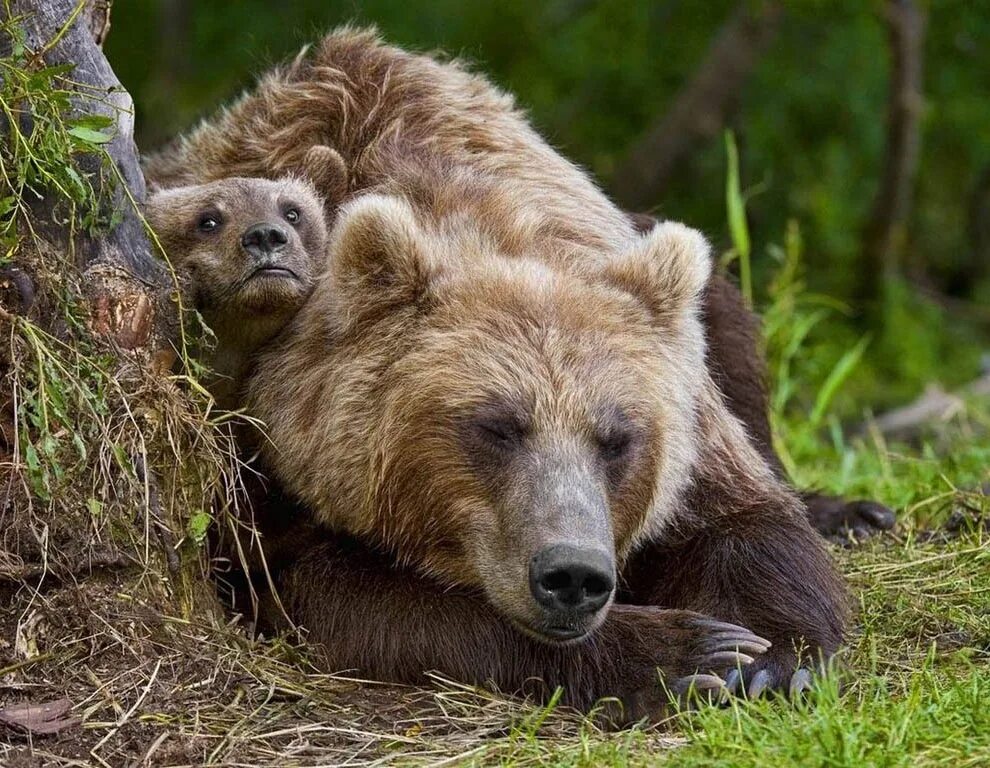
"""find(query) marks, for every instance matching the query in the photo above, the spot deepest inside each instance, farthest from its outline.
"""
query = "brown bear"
(247, 253)
(503, 389)
(345, 95)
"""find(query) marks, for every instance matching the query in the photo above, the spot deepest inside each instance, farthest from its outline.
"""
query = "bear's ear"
(327, 170)
(164, 211)
(380, 256)
(666, 269)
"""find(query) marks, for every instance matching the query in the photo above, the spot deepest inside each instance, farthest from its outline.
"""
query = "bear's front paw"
(673, 654)
(774, 673)
(843, 521)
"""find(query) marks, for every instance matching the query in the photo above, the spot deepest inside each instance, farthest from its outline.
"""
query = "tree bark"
(124, 283)
(885, 232)
(702, 107)
(979, 232)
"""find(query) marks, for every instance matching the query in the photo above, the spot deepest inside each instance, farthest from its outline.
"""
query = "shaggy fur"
(244, 304)
(494, 348)
(736, 364)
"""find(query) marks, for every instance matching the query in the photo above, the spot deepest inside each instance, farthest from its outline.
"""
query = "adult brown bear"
(503, 387)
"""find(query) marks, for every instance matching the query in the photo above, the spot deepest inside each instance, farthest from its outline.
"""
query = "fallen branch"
(934, 406)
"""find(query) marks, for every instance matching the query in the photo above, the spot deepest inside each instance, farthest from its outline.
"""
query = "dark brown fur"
(473, 219)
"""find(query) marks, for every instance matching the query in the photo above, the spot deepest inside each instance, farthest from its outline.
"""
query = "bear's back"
(407, 124)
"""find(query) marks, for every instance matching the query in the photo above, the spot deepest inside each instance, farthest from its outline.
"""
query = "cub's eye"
(293, 216)
(615, 446)
(208, 223)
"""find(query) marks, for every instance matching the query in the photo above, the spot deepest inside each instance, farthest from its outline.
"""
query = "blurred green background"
(809, 118)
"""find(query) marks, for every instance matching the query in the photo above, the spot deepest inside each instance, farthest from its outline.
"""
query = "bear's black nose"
(569, 580)
(263, 239)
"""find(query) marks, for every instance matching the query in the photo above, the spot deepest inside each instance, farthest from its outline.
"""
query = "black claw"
(758, 685)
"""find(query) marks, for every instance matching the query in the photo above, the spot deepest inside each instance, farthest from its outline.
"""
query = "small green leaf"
(122, 460)
(43, 79)
(198, 525)
(96, 122)
(735, 204)
(847, 363)
(90, 136)
(95, 507)
(31, 457)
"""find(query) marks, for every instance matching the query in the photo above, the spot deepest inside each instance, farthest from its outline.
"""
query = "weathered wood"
(934, 407)
(122, 279)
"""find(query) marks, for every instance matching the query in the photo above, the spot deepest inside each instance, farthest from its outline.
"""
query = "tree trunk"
(885, 232)
(700, 110)
(123, 281)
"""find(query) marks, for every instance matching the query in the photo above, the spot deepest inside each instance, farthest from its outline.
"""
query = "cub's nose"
(571, 580)
(263, 239)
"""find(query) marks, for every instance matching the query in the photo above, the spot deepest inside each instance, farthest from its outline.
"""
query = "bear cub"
(247, 252)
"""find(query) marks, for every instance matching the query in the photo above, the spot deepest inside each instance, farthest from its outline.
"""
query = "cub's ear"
(327, 170)
(380, 256)
(164, 211)
(666, 269)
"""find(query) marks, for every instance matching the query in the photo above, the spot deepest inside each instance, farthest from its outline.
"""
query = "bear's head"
(248, 250)
(526, 424)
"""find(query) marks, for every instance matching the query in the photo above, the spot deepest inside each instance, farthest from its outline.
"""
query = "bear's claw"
(748, 644)
(758, 685)
(696, 684)
(761, 683)
(801, 681)
(725, 647)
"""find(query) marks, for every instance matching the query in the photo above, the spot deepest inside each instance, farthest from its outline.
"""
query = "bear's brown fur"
(496, 364)
(245, 291)
(736, 364)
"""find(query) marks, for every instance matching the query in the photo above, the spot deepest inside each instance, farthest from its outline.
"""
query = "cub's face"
(249, 250)
(537, 421)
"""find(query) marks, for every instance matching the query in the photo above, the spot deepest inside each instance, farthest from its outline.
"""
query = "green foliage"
(735, 206)
(44, 140)
(100, 437)
(198, 526)
(595, 76)
(63, 387)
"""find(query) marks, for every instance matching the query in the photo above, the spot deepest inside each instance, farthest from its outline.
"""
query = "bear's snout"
(571, 584)
(264, 239)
